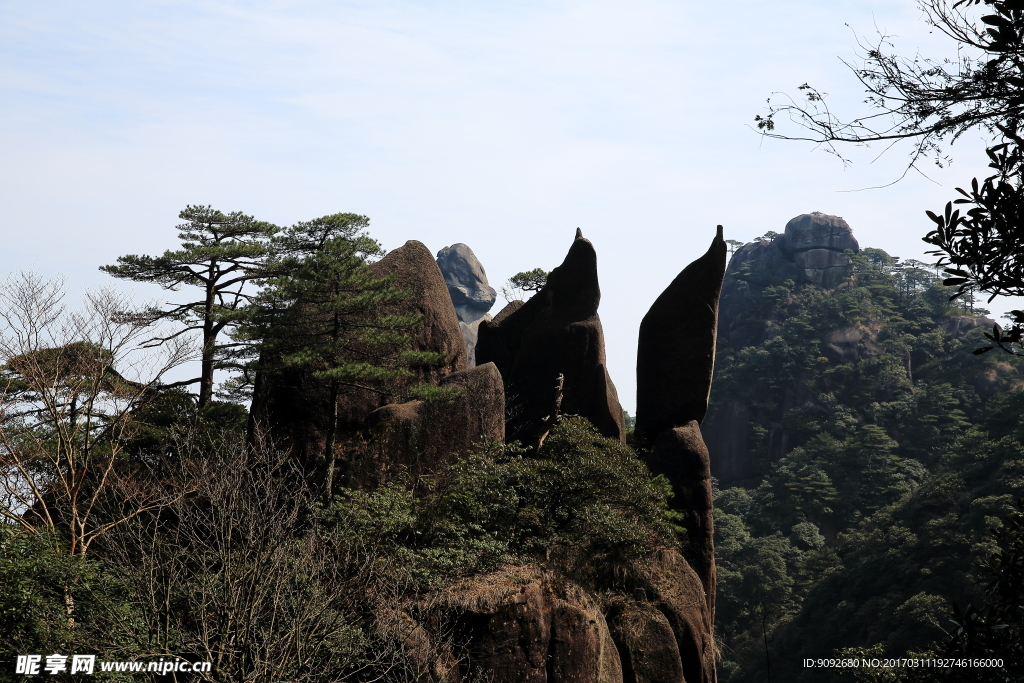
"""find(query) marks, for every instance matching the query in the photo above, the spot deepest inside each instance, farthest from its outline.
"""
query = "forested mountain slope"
(861, 451)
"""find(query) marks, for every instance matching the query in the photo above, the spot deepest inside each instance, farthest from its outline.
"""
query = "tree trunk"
(209, 341)
(332, 432)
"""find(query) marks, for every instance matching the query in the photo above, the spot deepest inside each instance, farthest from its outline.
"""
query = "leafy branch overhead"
(929, 101)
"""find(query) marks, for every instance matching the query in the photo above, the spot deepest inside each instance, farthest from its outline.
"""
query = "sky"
(502, 125)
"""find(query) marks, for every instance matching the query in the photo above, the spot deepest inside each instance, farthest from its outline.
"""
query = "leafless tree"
(70, 383)
(243, 574)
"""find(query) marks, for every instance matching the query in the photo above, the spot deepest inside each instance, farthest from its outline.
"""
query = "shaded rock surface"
(676, 349)
(470, 331)
(675, 365)
(647, 646)
(815, 242)
(680, 454)
(557, 331)
(420, 437)
(293, 407)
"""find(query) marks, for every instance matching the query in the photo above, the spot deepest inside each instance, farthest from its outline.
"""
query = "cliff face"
(761, 299)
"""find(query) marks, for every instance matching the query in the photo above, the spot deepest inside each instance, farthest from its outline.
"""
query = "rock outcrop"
(675, 357)
(647, 619)
(675, 364)
(810, 251)
(294, 407)
(420, 437)
(680, 454)
(471, 295)
(816, 243)
(556, 332)
(524, 624)
(414, 269)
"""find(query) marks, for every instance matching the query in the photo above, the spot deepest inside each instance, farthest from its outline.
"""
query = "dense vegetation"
(140, 521)
(902, 452)
(253, 573)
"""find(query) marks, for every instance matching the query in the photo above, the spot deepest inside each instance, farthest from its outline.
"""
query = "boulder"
(816, 241)
(293, 407)
(421, 437)
(414, 269)
(466, 281)
(676, 350)
(556, 332)
(817, 230)
(471, 295)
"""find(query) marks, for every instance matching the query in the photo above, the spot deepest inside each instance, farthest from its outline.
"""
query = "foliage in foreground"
(252, 572)
(583, 500)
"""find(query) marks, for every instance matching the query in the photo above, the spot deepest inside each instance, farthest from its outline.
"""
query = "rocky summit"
(556, 333)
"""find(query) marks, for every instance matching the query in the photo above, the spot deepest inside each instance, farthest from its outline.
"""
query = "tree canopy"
(221, 255)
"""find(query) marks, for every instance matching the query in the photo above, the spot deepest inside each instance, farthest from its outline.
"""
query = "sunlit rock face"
(471, 294)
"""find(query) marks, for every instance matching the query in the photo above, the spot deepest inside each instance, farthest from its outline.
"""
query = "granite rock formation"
(524, 624)
(810, 251)
(421, 437)
(471, 295)
(680, 454)
(675, 364)
(294, 407)
(540, 622)
(556, 332)
(676, 349)
(816, 243)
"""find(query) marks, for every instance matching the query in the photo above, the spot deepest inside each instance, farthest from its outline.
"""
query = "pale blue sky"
(504, 125)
